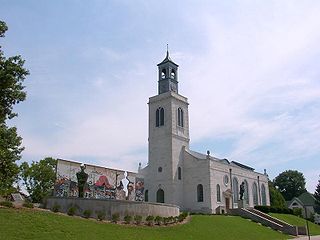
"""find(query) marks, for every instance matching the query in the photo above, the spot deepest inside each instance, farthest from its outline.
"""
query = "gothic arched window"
(173, 74)
(159, 117)
(235, 186)
(246, 191)
(218, 193)
(200, 193)
(146, 196)
(180, 117)
(263, 195)
(160, 196)
(179, 173)
(255, 193)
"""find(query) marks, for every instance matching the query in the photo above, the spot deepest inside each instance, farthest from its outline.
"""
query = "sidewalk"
(307, 238)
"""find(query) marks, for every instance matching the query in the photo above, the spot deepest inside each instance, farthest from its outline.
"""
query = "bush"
(101, 215)
(55, 207)
(138, 219)
(269, 209)
(87, 213)
(165, 220)
(127, 219)
(115, 217)
(149, 220)
(71, 211)
(158, 220)
(7, 204)
(28, 204)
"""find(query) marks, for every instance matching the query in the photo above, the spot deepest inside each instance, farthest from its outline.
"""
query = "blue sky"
(249, 68)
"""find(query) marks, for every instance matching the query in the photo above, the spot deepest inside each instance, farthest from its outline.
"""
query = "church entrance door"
(227, 204)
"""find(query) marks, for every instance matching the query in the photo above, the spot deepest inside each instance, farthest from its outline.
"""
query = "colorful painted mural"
(102, 183)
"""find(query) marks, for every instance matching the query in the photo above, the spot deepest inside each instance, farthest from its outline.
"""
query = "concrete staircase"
(269, 221)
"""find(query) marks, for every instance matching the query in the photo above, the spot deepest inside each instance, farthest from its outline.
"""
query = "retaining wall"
(110, 207)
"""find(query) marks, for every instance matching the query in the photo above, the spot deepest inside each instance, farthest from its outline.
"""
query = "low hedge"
(270, 209)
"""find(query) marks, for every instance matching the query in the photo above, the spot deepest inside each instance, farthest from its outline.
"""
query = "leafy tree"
(39, 178)
(276, 198)
(12, 75)
(290, 183)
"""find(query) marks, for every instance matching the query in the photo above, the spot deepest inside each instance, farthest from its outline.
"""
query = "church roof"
(167, 59)
(224, 160)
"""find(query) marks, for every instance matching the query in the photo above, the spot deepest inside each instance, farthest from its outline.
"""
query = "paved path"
(307, 238)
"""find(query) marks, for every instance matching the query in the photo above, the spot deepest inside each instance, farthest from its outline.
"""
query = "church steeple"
(168, 75)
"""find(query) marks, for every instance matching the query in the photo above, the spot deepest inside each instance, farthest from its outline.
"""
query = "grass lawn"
(33, 224)
(294, 220)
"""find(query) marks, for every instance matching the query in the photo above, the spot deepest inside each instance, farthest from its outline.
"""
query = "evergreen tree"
(317, 192)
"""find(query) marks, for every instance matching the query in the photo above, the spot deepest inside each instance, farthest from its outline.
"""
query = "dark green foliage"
(290, 183)
(149, 220)
(138, 219)
(276, 198)
(28, 204)
(127, 219)
(55, 207)
(115, 217)
(7, 204)
(12, 75)
(297, 212)
(101, 215)
(269, 209)
(87, 213)
(158, 220)
(39, 178)
(71, 211)
(317, 193)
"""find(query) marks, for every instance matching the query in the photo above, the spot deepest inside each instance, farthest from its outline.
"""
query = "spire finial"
(167, 50)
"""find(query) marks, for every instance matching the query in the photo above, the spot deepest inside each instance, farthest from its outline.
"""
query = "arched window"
(179, 173)
(180, 117)
(146, 196)
(159, 117)
(255, 193)
(246, 191)
(263, 195)
(173, 74)
(160, 196)
(218, 193)
(235, 186)
(163, 74)
(200, 193)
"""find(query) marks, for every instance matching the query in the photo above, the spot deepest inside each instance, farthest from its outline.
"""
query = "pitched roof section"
(307, 199)
(167, 59)
(243, 166)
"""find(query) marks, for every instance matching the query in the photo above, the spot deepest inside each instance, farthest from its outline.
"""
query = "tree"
(317, 192)
(276, 198)
(12, 75)
(290, 183)
(39, 178)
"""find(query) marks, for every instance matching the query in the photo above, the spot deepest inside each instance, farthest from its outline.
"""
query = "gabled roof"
(305, 199)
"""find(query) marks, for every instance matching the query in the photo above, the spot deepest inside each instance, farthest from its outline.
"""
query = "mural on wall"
(102, 183)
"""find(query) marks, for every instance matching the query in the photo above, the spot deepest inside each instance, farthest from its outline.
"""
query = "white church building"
(177, 175)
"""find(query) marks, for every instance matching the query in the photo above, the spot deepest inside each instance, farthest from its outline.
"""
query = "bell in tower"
(168, 75)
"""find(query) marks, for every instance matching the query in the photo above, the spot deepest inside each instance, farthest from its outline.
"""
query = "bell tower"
(168, 136)
(168, 75)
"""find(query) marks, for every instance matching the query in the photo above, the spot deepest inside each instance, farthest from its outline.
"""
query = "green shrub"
(71, 211)
(101, 215)
(127, 219)
(158, 220)
(165, 220)
(138, 219)
(87, 213)
(269, 209)
(28, 204)
(7, 204)
(149, 220)
(55, 207)
(115, 217)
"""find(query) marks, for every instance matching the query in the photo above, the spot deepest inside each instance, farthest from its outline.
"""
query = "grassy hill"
(294, 220)
(34, 224)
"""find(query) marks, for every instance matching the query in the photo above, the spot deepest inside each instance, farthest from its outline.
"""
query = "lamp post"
(306, 216)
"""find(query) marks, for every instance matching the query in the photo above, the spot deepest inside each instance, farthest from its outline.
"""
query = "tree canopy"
(12, 75)
(276, 198)
(290, 183)
(39, 178)
(317, 192)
